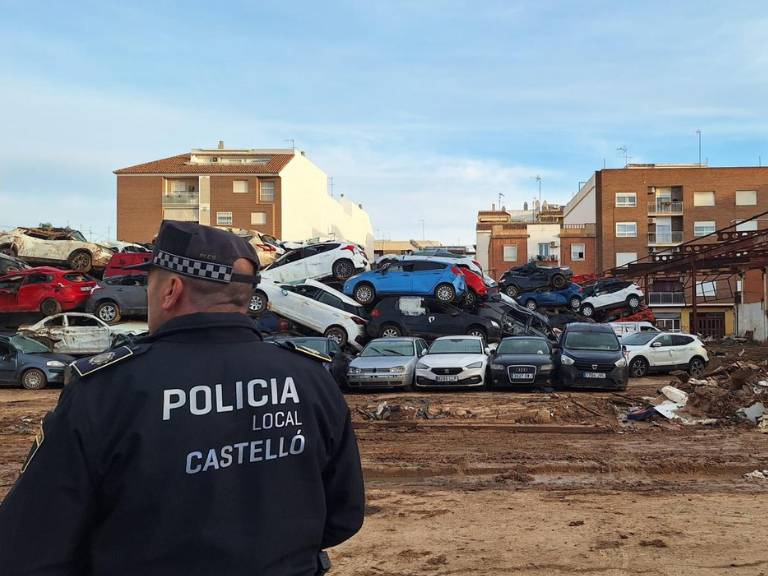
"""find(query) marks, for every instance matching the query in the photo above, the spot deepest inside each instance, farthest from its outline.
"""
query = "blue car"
(442, 280)
(569, 297)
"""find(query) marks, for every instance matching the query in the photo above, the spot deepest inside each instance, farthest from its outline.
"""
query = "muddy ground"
(537, 483)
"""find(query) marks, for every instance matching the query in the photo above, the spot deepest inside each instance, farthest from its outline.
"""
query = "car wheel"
(587, 310)
(445, 293)
(696, 367)
(337, 334)
(633, 301)
(558, 281)
(470, 299)
(33, 379)
(258, 303)
(391, 331)
(511, 290)
(80, 261)
(364, 293)
(49, 307)
(109, 312)
(477, 331)
(343, 269)
(638, 367)
(575, 303)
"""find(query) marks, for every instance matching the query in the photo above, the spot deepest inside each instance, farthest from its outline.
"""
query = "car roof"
(459, 337)
(397, 339)
(586, 327)
(524, 338)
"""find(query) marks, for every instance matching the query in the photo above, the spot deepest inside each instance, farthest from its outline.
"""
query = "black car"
(590, 356)
(562, 319)
(522, 361)
(9, 264)
(339, 360)
(532, 276)
(273, 324)
(30, 364)
(118, 296)
(515, 320)
(427, 318)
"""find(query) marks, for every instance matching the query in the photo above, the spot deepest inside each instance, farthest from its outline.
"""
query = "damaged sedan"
(57, 247)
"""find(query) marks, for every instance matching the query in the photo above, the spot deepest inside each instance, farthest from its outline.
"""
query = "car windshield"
(27, 345)
(523, 346)
(456, 346)
(592, 341)
(388, 349)
(78, 236)
(639, 338)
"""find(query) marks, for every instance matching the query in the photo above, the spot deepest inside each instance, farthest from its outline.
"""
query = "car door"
(55, 329)
(9, 294)
(444, 320)
(661, 351)
(288, 268)
(133, 294)
(35, 288)
(395, 279)
(8, 361)
(682, 349)
(412, 315)
(426, 275)
(86, 334)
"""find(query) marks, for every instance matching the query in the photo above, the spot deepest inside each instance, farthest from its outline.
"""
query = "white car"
(57, 247)
(663, 352)
(610, 294)
(623, 329)
(460, 261)
(342, 260)
(334, 322)
(453, 361)
(71, 333)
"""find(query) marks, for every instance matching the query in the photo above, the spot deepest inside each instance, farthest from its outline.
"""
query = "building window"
(626, 229)
(267, 190)
(510, 253)
(240, 186)
(543, 249)
(746, 198)
(749, 226)
(703, 198)
(224, 218)
(706, 289)
(624, 258)
(577, 251)
(668, 322)
(703, 228)
(626, 200)
(258, 218)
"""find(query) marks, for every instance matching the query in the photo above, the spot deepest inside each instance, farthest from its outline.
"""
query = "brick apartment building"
(279, 192)
(644, 209)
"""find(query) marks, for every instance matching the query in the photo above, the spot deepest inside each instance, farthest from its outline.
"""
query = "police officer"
(199, 450)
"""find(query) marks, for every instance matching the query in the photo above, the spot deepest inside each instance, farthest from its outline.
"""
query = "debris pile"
(412, 409)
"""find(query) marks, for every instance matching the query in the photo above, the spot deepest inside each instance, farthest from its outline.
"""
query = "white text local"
(201, 400)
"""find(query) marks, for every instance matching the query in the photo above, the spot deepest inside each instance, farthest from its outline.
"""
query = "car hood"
(534, 359)
(381, 361)
(40, 358)
(595, 356)
(451, 360)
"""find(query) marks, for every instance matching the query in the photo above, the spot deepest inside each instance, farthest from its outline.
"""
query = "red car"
(44, 289)
(476, 287)
(118, 262)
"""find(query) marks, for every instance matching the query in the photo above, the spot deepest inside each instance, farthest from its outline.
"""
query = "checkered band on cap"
(190, 267)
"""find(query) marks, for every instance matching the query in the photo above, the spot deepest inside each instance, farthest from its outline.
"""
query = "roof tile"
(180, 165)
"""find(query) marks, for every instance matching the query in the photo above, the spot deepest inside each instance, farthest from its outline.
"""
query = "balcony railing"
(665, 207)
(181, 199)
(673, 237)
(666, 298)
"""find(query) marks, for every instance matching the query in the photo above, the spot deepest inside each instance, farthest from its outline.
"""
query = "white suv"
(342, 260)
(663, 352)
(609, 294)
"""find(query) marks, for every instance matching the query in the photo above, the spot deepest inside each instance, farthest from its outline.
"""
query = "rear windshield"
(592, 341)
(312, 343)
(639, 338)
(456, 346)
(523, 346)
(77, 278)
(388, 349)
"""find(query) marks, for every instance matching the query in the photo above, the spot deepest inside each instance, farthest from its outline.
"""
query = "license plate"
(447, 378)
(85, 289)
(594, 374)
(522, 376)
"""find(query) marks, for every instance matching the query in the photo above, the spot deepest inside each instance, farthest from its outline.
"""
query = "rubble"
(758, 475)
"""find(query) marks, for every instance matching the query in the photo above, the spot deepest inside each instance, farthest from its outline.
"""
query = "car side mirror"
(490, 352)
(655, 345)
(623, 348)
(423, 352)
(284, 292)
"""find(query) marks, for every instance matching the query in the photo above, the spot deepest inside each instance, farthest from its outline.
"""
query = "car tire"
(108, 312)
(80, 261)
(445, 293)
(638, 368)
(258, 303)
(364, 293)
(512, 291)
(476, 330)
(470, 299)
(50, 307)
(343, 269)
(390, 331)
(575, 303)
(587, 310)
(696, 366)
(633, 301)
(33, 379)
(558, 281)
(337, 334)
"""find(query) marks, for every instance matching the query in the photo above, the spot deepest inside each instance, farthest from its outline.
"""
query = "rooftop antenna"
(500, 197)
(625, 151)
(698, 132)
(292, 141)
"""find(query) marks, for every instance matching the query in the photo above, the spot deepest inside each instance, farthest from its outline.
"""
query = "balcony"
(181, 199)
(665, 207)
(666, 298)
(665, 238)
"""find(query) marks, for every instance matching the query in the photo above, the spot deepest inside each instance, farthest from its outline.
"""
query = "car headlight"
(353, 370)
(397, 370)
(475, 364)
(621, 363)
(497, 366)
(495, 324)
(567, 360)
(546, 367)
(55, 364)
(422, 366)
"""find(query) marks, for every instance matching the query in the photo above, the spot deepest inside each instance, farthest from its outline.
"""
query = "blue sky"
(419, 109)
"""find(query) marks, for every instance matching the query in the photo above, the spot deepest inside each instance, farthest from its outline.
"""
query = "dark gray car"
(119, 296)
(30, 364)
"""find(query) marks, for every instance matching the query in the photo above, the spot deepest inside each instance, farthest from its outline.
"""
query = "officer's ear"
(171, 290)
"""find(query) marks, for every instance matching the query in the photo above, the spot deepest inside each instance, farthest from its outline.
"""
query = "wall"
(752, 317)
(506, 235)
(582, 208)
(586, 266)
(139, 207)
(309, 211)
(543, 233)
(223, 199)
(483, 248)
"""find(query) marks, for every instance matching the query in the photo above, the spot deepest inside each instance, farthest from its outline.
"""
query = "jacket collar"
(231, 326)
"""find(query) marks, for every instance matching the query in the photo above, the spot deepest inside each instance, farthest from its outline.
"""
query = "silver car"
(386, 363)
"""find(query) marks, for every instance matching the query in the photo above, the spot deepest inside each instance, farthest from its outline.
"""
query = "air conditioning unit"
(214, 159)
(553, 244)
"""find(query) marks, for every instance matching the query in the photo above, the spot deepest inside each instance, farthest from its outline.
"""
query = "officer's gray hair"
(208, 294)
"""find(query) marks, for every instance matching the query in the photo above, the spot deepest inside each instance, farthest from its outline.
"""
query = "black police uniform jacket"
(200, 451)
